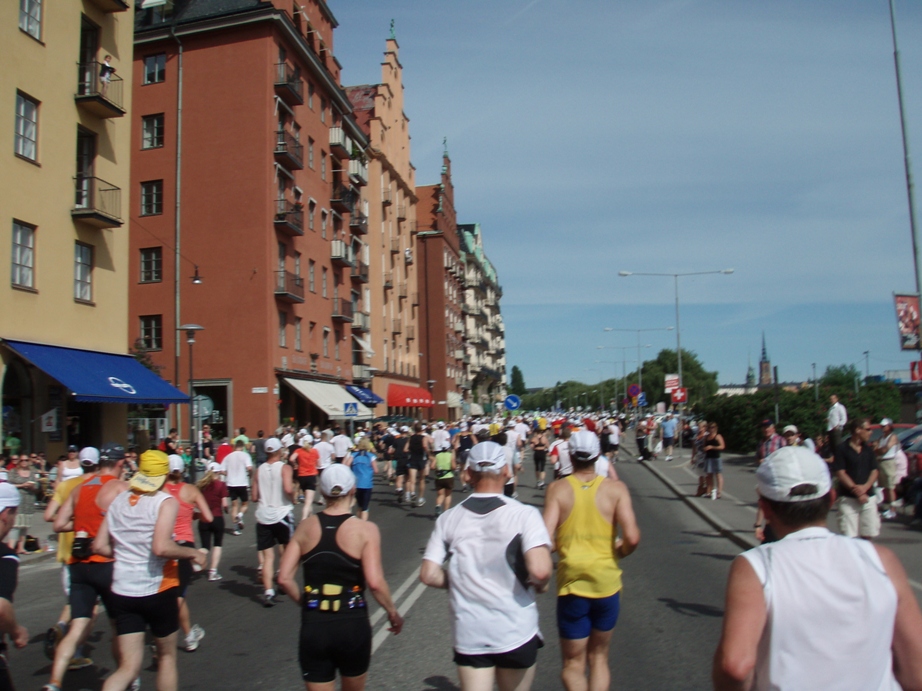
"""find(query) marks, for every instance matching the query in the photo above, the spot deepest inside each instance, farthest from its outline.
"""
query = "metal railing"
(344, 197)
(285, 143)
(340, 142)
(397, 326)
(361, 321)
(93, 195)
(395, 245)
(91, 85)
(289, 212)
(410, 331)
(342, 309)
(361, 372)
(358, 170)
(388, 279)
(341, 252)
(288, 76)
(287, 283)
(360, 270)
(402, 290)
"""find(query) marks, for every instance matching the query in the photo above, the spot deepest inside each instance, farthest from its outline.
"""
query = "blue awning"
(366, 396)
(99, 377)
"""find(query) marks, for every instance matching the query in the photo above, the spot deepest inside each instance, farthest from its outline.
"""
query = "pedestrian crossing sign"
(350, 409)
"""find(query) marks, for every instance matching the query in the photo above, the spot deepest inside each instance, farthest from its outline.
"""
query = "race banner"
(907, 320)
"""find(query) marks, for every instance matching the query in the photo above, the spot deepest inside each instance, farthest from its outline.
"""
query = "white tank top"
(831, 612)
(68, 473)
(137, 572)
(274, 505)
(890, 453)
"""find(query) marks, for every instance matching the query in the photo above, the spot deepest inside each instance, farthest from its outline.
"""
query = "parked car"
(903, 432)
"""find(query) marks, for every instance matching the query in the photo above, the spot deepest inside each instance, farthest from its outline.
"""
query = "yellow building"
(65, 88)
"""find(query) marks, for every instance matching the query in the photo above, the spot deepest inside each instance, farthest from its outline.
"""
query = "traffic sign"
(512, 402)
(680, 395)
(642, 399)
(633, 390)
(202, 406)
(350, 409)
(672, 382)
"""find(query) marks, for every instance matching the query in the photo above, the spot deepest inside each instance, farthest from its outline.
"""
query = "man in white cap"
(887, 447)
(9, 571)
(441, 439)
(491, 581)
(273, 492)
(815, 610)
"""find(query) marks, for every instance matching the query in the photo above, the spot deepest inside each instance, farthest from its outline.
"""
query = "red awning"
(399, 396)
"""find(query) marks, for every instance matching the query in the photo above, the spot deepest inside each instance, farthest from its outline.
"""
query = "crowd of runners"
(127, 546)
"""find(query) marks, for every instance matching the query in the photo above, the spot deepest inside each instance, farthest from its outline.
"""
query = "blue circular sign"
(512, 402)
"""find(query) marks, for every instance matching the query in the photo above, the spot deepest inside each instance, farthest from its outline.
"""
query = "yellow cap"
(153, 467)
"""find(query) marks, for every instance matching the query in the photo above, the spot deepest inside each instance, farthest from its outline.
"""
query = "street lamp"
(639, 359)
(191, 330)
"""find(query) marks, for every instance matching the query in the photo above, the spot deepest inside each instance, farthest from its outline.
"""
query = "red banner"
(907, 320)
(915, 371)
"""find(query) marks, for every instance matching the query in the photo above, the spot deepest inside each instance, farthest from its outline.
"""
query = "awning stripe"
(366, 396)
(400, 396)
(330, 398)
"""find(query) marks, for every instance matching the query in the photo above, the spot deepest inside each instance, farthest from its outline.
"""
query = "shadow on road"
(692, 609)
(440, 684)
(722, 557)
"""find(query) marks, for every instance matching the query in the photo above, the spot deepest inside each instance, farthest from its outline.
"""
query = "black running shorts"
(307, 482)
(159, 611)
(88, 581)
(241, 493)
(540, 459)
(268, 536)
(212, 531)
(331, 645)
(522, 657)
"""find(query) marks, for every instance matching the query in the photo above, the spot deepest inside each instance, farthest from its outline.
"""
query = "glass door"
(86, 155)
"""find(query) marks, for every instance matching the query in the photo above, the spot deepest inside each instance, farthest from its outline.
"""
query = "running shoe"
(79, 663)
(888, 515)
(213, 575)
(540, 485)
(51, 687)
(269, 600)
(421, 501)
(52, 637)
(235, 531)
(400, 496)
(668, 458)
(135, 685)
(438, 510)
(409, 498)
(194, 637)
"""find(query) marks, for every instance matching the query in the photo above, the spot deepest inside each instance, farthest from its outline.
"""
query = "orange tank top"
(88, 516)
(182, 531)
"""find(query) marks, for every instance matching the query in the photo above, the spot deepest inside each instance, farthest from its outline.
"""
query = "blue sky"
(590, 136)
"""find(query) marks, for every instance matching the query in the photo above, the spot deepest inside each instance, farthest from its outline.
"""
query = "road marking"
(915, 584)
(377, 616)
(383, 633)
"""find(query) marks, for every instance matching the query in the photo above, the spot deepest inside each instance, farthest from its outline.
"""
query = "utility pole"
(816, 385)
(867, 367)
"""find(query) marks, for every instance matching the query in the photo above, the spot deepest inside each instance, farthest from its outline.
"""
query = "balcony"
(289, 217)
(341, 253)
(459, 354)
(358, 222)
(361, 322)
(288, 84)
(459, 327)
(289, 287)
(104, 99)
(289, 152)
(461, 381)
(358, 172)
(410, 332)
(395, 245)
(466, 359)
(473, 310)
(415, 300)
(401, 212)
(386, 198)
(361, 373)
(97, 203)
(402, 291)
(359, 271)
(342, 309)
(397, 326)
(408, 256)
(343, 199)
(340, 144)
(111, 5)
(412, 226)
(388, 279)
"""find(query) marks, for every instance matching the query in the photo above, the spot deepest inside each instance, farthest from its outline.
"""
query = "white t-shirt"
(235, 465)
(341, 445)
(441, 439)
(287, 440)
(522, 430)
(614, 434)
(512, 440)
(560, 451)
(493, 610)
(602, 466)
(326, 451)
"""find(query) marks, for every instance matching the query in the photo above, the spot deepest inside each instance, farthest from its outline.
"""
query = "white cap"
(404, 429)
(790, 428)
(336, 480)
(487, 457)
(272, 445)
(440, 424)
(885, 422)
(9, 496)
(214, 467)
(89, 455)
(790, 468)
(176, 463)
(463, 427)
(584, 446)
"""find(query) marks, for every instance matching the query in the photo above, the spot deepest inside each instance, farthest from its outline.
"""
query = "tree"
(517, 383)
(841, 376)
(700, 383)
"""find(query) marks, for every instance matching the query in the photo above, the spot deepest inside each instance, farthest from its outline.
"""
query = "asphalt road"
(670, 619)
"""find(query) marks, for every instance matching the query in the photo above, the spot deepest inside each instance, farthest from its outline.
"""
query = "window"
(283, 324)
(298, 334)
(326, 343)
(310, 275)
(152, 332)
(311, 208)
(152, 265)
(310, 95)
(26, 127)
(152, 131)
(310, 153)
(323, 224)
(336, 345)
(83, 272)
(23, 274)
(152, 198)
(154, 68)
(30, 18)
(298, 264)
(323, 110)
(323, 283)
(323, 165)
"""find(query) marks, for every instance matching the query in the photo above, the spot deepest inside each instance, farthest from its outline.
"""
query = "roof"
(192, 10)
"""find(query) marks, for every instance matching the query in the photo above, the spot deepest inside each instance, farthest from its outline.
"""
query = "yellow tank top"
(588, 566)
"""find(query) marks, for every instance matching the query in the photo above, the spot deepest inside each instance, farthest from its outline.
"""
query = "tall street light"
(191, 330)
(639, 359)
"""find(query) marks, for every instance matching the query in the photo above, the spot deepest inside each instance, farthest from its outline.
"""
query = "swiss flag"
(679, 395)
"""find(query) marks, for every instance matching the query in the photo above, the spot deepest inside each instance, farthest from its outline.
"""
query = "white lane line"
(377, 616)
(915, 584)
(383, 633)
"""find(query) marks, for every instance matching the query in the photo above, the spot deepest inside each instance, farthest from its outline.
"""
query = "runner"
(539, 447)
(441, 438)
(340, 557)
(584, 513)
(305, 460)
(500, 558)
(215, 493)
(190, 500)
(463, 443)
(560, 453)
(238, 468)
(398, 449)
(342, 444)
(325, 451)
(90, 574)
(273, 492)
(9, 571)
(419, 448)
(137, 532)
(364, 468)
(445, 469)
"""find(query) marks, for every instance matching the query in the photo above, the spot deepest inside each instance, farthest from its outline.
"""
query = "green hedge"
(738, 417)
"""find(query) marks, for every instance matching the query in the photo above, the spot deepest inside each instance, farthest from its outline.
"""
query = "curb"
(715, 522)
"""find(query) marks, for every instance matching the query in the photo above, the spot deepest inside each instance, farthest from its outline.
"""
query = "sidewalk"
(733, 515)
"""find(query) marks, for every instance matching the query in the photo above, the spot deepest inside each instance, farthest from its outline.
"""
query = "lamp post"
(816, 385)
(191, 330)
(639, 359)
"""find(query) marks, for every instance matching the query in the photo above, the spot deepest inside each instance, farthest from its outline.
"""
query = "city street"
(669, 625)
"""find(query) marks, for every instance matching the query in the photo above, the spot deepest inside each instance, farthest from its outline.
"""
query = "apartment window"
(298, 334)
(152, 131)
(30, 18)
(311, 267)
(323, 282)
(26, 127)
(310, 95)
(155, 68)
(152, 332)
(326, 343)
(152, 198)
(336, 345)
(311, 209)
(323, 165)
(298, 264)
(23, 274)
(83, 272)
(283, 329)
(323, 224)
(323, 110)
(152, 265)
(310, 153)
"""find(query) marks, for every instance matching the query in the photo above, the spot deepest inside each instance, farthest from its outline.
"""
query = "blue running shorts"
(577, 616)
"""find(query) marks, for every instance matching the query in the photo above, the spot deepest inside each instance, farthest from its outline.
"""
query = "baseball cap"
(176, 463)
(886, 421)
(486, 457)
(584, 446)
(9, 496)
(483, 434)
(89, 456)
(440, 425)
(112, 452)
(153, 467)
(793, 473)
(767, 423)
(214, 467)
(272, 445)
(404, 429)
(336, 480)
(72, 449)
(790, 428)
